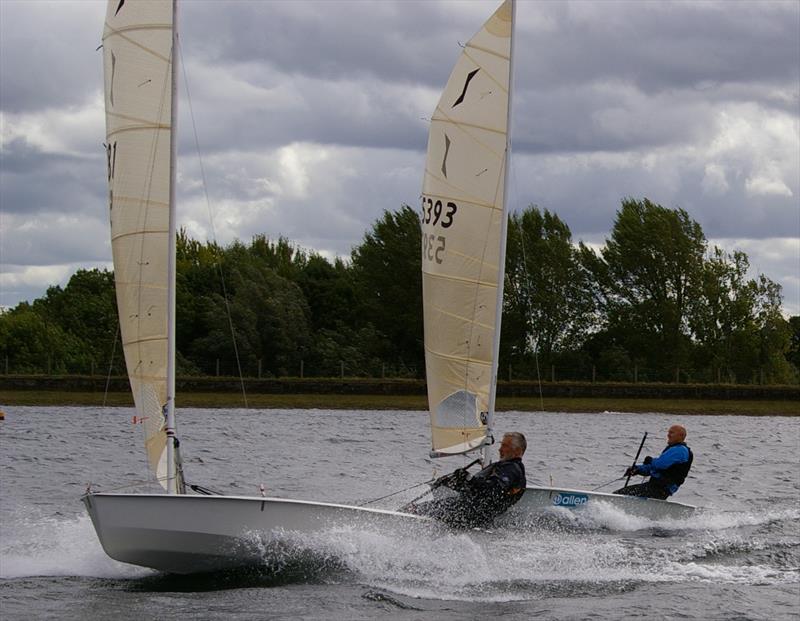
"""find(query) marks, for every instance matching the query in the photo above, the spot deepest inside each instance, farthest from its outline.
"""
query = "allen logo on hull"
(570, 500)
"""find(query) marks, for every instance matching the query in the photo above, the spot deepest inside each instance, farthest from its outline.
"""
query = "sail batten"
(472, 281)
(454, 358)
(142, 28)
(460, 124)
(473, 46)
(462, 224)
(143, 232)
(141, 126)
(440, 182)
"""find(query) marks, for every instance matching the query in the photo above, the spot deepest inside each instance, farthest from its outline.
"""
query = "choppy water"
(739, 559)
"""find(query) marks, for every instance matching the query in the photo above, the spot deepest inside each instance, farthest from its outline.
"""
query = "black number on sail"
(433, 247)
(434, 213)
(437, 212)
(448, 216)
(439, 249)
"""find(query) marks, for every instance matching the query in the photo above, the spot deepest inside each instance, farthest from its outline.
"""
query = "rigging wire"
(369, 502)
(211, 225)
(606, 484)
(532, 340)
(527, 282)
(111, 364)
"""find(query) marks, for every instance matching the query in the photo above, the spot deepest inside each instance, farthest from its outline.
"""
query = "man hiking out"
(667, 472)
(483, 496)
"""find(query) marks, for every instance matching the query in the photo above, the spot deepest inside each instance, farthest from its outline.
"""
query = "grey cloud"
(33, 182)
(329, 40)
(655, 46)
(345, 195)
(55, 239)
(607, 76)
(587, 197)
(664, 45)
(600, 86)
(47, 53)
(344, 113)
(591, 118)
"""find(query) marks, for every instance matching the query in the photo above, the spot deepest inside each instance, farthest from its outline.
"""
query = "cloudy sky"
(311, 120)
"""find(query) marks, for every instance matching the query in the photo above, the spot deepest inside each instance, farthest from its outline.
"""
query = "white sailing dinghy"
(464, 220)
(173, 532)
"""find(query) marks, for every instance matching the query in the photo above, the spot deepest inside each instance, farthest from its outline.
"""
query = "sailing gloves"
(635, 469)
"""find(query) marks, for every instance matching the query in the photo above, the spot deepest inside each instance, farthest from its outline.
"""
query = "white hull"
(539, 499)
(192, 534)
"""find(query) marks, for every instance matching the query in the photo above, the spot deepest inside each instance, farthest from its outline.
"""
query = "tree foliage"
(388, 280)
(548, 304)
(653, 303)
(649, 272)
(69, 330)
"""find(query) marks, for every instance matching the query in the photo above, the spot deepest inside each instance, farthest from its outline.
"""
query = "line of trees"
(655, 303)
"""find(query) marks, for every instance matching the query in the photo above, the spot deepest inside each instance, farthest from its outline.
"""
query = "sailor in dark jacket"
(485, 495)
(667, 472)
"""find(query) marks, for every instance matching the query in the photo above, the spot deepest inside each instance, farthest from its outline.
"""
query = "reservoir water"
(739, 558)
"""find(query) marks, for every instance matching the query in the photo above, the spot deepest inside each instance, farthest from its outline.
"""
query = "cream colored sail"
(462, 230)
(137, 44)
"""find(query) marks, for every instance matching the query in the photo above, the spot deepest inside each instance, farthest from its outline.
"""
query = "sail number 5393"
(433, 247)
(435, 212)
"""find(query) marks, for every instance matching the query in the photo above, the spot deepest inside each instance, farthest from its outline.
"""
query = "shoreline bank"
(745, 407)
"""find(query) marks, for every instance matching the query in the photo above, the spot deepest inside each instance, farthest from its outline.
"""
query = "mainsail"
(463, 228)
(137, 52)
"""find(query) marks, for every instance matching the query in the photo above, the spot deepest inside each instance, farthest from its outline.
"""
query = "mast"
(501, 268)
(172, 469)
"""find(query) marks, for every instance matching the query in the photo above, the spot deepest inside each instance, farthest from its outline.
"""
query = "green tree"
(260, 316)
(647, 274)
(774, 335)
(330, 292)
(722, 317)
(793, 355)
(737, 324)
(281, 256)
(86, 308)
(32, 344)
(547, 298)
(197, 283)
(388, 280)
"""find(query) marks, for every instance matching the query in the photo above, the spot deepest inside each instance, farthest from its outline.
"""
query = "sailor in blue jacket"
(667, 472)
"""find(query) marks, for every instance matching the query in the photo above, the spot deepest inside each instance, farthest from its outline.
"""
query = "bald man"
(667, 472)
